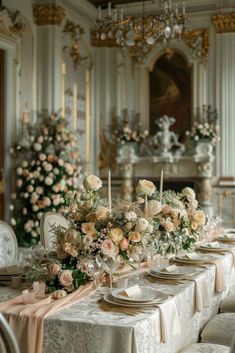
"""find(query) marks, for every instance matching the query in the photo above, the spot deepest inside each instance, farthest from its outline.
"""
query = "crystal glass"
(38, 252)
(138, 254)
(94, 269)
(26, 261)
(109, 265)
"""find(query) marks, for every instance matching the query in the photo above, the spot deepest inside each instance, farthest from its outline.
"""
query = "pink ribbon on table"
(26, 321)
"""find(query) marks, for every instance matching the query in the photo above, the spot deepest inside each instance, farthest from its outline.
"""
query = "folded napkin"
(214, 244)
(201, 293)
(191, 255)
(169, 320)
(170, 269)
(26, 320)
(133, 291)
(219, 274)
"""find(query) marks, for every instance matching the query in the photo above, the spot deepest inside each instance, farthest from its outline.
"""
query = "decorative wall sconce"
(75, 32)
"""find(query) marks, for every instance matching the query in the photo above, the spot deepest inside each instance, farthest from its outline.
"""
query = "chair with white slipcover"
(8, 342)
(8, 245)
(205, 348)
(227, 305)
(47, 222)
(219, 330)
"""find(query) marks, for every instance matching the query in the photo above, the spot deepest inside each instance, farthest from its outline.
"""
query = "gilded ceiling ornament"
(48, 14)
(224, 23)
(198, 41)
(11, 24)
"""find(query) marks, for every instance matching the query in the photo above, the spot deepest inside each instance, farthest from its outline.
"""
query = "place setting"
(175, 273)
(216, 247)
(132, 300)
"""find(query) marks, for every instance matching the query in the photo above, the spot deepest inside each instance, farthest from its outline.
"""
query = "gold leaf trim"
(48, 14)
(224, 23)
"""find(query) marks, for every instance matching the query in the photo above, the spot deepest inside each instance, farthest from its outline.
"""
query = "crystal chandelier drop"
(113, 29)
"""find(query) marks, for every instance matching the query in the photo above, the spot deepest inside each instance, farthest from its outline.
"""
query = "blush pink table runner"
(26, 320)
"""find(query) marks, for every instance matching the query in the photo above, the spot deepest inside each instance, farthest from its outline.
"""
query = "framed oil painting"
(170, 92)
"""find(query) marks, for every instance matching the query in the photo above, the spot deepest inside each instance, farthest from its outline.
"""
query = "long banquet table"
(85, 328)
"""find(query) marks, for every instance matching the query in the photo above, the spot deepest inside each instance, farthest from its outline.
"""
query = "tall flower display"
(47, 166)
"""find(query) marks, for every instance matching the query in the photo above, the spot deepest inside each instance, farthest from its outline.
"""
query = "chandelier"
(140, 33)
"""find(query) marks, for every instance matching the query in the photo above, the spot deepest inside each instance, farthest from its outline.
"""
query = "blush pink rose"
(54, 269)
(66, 278)
(124, 244)
(108, 248)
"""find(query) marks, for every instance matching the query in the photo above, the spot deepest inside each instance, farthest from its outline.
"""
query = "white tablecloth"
(84, 328)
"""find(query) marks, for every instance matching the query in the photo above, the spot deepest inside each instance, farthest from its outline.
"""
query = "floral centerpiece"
(177, 221)
(95, 229)
(47, 166)
(123, 131)
(204, 131)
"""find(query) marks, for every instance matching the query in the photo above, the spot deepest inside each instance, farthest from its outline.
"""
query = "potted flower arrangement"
(48, 165)
(204, 132)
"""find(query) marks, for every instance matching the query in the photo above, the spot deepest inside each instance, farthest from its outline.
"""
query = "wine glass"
(109, 265)
(94, 269)
(138, 254)
(26, 262)
(38, 253)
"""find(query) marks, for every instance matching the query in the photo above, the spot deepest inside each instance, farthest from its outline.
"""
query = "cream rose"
(92, 182)
(141, 225)
(87, 240)
(169, 226)
(188, 192)
(109, 249)
(58, 294)
(166, 209)
(88, 228)
(48, 181)
(71, 236)
(69, 249)
(54, 269)
(134, 236)
(194, 225)
(154, 207)
(130, 216)
(199, 217)
(102, 213)
(146, 187)
(66, 278)
(116, 235)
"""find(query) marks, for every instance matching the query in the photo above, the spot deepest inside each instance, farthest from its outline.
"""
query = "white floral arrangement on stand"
(48, 165)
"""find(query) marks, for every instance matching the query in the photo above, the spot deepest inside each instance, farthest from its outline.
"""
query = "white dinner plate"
(200, 258)
(230, 238)
(178, 271)
(111, 300)
(146, 295)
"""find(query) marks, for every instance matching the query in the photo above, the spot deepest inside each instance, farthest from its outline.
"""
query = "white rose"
(13, 222)
(24, 211)
(35, 208)
(25, 164)
(48, 181)
(188, 192)
(19, 183)
(30, 188)
(19, 171)
(37, 146)
(92, 182)
(154, 207)
(42, 157)
(48, 167)
(141, 225)
(47, 201)
(39, 190)
(146, 187)
(130, 216)
(87, 240)
(60, 162)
